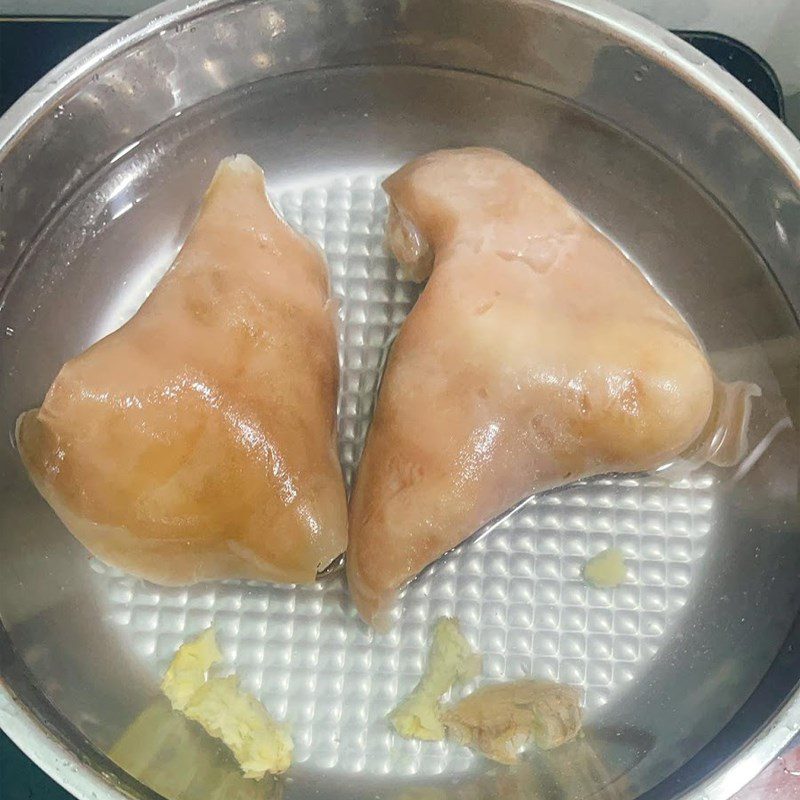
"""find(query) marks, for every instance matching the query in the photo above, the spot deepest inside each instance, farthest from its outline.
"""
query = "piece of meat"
(198, 441)
(537, 354)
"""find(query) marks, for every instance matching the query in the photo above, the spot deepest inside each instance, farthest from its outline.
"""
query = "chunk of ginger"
(451, 660)
(501, 719)
(259, 743)
(187, 672)
(606, 570)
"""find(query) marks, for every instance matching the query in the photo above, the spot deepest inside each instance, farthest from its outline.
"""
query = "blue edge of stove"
(29, 48)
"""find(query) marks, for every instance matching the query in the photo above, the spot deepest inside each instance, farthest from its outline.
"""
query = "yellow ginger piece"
(187, 672)
(606, 570)
(451, 660)
(259, 743)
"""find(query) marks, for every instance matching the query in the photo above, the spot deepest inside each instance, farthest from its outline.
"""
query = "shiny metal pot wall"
(689, 669)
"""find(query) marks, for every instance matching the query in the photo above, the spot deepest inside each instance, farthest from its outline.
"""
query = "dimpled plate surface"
(516, 589)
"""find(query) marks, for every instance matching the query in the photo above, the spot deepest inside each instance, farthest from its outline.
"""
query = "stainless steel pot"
(689, 670)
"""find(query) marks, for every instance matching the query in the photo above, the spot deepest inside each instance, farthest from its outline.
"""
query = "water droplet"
(637, 76)
(9, 330)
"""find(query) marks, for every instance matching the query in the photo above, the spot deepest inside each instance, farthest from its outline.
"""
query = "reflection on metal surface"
(761, 447)
(574, 771)
(176, 758)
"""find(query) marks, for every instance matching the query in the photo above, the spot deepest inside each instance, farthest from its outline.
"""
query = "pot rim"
(44, 746)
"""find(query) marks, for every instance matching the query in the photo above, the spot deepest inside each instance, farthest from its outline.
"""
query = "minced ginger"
(501, 719)
(451, 660)
(606, 570)
(259, 743)
(187, 672)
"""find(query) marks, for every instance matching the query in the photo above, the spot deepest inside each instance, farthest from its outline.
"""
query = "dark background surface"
(30, 48)
(20, 779)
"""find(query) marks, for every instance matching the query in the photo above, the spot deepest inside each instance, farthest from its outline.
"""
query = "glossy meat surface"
(197, 442)
(537, 354)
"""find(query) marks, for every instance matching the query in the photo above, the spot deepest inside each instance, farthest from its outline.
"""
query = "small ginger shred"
(451, 660)
(606, 570)
(259, 743)
(501, 719)
(187, 672)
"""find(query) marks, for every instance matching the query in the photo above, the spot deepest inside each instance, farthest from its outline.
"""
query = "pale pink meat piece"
(536, 355)
(198, 441)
